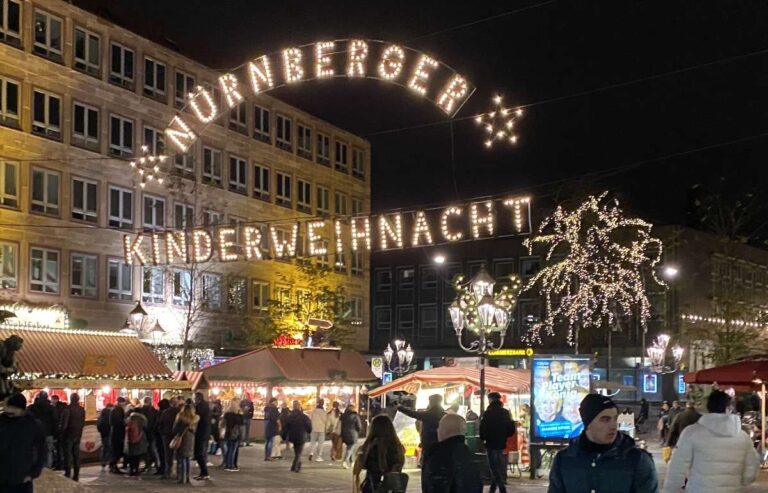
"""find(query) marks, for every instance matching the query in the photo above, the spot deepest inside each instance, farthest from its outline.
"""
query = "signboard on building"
(377, 366)
(559, 383)
(386, 377)
(511, 352)
(99, 364)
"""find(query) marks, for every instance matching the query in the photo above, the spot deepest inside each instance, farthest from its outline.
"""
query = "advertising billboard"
(559, 383)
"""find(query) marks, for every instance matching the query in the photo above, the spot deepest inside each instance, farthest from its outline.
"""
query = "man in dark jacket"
(602, 458)
(149, 412)
(202, 435)
(60, 418)
(681, 422)
(165, 428)
(495, 426)
(271, 427)
(42, 411)
(117, 434)
(430, 420)
(247, 407)
(22, 447)
(297, 427)
(448, 465)
(105, 430)
(72, 436)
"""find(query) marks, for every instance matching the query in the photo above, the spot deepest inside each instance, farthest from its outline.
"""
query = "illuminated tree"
(595, 264)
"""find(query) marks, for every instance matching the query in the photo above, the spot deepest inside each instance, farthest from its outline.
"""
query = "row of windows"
(87, 57)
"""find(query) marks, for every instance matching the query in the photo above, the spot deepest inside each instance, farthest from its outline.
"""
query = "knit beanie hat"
(17, 400)
(451, 425)
(592, 405)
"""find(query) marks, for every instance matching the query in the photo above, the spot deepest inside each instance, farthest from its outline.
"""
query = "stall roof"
(196, 379)
(496, 379)
(748, 372)
(293, 365)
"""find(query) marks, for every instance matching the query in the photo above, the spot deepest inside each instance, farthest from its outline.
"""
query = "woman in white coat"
(714, 454)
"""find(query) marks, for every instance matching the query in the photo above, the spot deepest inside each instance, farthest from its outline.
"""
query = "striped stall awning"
(496, 380)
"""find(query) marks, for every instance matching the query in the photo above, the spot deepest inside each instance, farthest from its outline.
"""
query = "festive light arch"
(396, 64)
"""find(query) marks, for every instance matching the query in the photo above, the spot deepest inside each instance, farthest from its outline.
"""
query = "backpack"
(133, 431)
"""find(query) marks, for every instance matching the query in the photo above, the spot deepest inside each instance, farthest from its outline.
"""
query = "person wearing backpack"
(136, 439)
(104, 429)
(184, 440)
(233, 427)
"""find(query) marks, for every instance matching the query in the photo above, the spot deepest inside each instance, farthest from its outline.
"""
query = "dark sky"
(542, 54)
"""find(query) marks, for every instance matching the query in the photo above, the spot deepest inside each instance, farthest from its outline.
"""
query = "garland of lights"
(601, 275)
(200, 356)
(78, 376)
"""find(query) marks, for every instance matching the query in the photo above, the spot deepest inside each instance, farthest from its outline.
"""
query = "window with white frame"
(261, 127)
(45, 191)
(261, 182)
(9, 101)
(184, 163)
(85, 197)
(237, 295)
(323, 149)
(154, 212)
(238, 120)
(358, 163)
(212, 166)
(304, 196)
(154, 78)
(283, 190)
(121, 65)
(323, 201)
(211, 218)
(182, 287)
(46, 114)
(119, 280)
(9, 265)
(153, 285)
(83, 278)
(154, 140)
(48, 36)
(10, 22)
(340, 202)
(85, 126)
(237, 172)
(43, 270)
(356, 308)
(9, 184)
(237, 223)
(357, 206)
(120, 136)
(185, 84)
(283, 134)
(356, 265)
(87, 51)
(120, 207)
(260, 294)
(183, 216)
(211, 292)
(341, 157)
(304, 144)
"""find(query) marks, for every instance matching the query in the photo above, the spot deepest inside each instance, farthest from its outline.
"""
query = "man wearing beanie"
(448, 465)
(495, 426)
(22, 447)
(602, 459)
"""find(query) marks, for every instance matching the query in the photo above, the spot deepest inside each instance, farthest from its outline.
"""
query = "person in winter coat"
(136, 440)
(682, 421)
(714, 453)
(246, 405)
(495, 426)
(662, 425)
(296, 429)
(430, 420)
(380, 454)
(281, 443)
(60, 418)
(334, 428)
(23, 461)
(105, 429)
(319, 420)
(350, 432)
(448, 464)
(71, 437)
(117, 434)
(216, 413)
(202, 435)
(271, 427)
(152, 414)
(602, 458)
(184, 426)
(42, 411)
(165, 427)
(161, 461)
(234, 422)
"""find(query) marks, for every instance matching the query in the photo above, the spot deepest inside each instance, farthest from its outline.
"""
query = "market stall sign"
(99, 364)
(377, 366)
(511, 352)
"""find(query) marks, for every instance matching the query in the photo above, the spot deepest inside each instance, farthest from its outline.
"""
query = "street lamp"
(482, 314)
(398, 359)
(137, 316)
(157, 333)
(657, 353)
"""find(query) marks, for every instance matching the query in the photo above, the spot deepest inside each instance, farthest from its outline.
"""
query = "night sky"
(546, 57)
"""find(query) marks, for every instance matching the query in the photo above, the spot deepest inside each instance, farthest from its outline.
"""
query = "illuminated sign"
(511, 352)
(423, 75)
(284, 341)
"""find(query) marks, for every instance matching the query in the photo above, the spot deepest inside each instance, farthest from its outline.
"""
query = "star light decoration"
(601, 276)
(499, 123)
(148, 166)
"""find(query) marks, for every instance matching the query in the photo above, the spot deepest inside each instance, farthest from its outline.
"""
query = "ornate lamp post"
(482, 315)
(137, 317)
(401, 355)
(657, 353)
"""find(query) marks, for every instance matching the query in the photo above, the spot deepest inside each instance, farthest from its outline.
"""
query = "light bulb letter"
(358, 53)
(261, 74)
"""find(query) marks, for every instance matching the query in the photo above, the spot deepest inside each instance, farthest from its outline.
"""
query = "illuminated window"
(185, 84)
(341, 157)
(45, 191)
(261, 182)
(283, 190)
(48, 36)
(84, 200)
(44, 270)
(120, 207)
(87, 52)
(212, 166)
(323, 149)
(358, 163)
(304, 196)
(261, 127)
(154, 78)
(9, 262)
(46, 114)
(9, 102)
(84, 275)
(120, 136)
(120, 280)
(237, 170)
(153, 285)
(283, 136)
(237, 295)
(154, 212)
(85, 126)
(9, 184)
(121, 65)
(10, 22)
(304, 144)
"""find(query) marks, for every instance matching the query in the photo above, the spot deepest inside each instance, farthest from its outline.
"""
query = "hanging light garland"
(199, 356)
(499, 123)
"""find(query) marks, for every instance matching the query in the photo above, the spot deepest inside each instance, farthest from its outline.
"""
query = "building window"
(154, 78)
(48, 36)
(323, 149)
(340, 265)
(261, 130)
(357, 263)
(84, 275)
(356, 308)
(44, 270)
(10, 22)
(237, 174)
(383, 319)
(46, 115)
(304, 197)
(184, 164)
(428, 278)
(529, 267)
(85, 197)
(341, 157)
(323, 202)
(283, 195)
(323, 261)
(304, 147)
(211, 294)
(120, 136)
(87, 52)
(119, 280)
(183, 216)
(260, 292)
(9, 184)
(120, 207)
(238, 120)
(261, 182)
(154, 141)
(9, 102)
(383, 280)
(45, 191)
(405, 316)
(405, 277)
(237, 296)
(154, 212)
(121, 65)
(85, 126)
(358, 163)
(185, 84)
(212, 166)
(283, 136)
(9, 261)
(211, 218)
(182, 287)
(153, 285)
(340, 202)
(357, 206)
(428, 317)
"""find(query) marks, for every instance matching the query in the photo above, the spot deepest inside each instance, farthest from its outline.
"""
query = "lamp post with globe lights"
(399, 358)
(657, 353)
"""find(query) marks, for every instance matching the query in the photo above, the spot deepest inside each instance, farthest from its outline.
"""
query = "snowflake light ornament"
(499, 123)
(148, 166)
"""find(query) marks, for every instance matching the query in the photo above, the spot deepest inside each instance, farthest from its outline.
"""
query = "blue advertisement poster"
(559, 385)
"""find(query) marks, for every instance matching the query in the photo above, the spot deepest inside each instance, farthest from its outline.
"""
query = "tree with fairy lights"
(596, 260)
